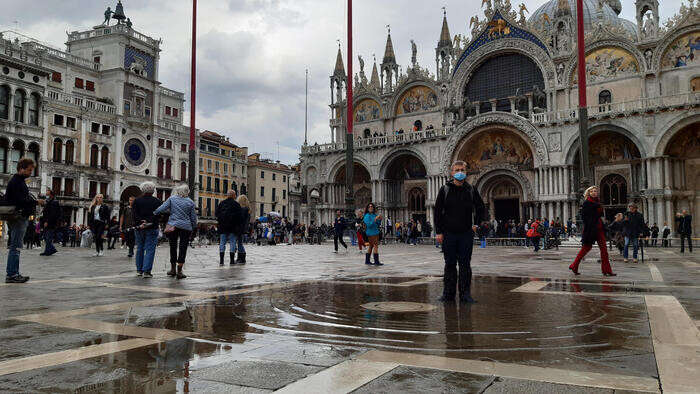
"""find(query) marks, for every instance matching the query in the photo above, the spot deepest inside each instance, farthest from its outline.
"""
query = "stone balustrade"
(80, 101)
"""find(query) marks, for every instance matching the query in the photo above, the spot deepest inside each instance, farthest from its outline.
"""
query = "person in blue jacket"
(372, 221)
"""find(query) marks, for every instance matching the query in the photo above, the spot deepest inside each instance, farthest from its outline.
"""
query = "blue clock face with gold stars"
(135, 151)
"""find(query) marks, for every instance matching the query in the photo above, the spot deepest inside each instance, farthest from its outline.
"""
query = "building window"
(93, 156)
(58, 120)
(262, 209)
(284, 194)
(183, 171)
(225, 168)
(70, 147)
(208, 165)
(604, 101)
(208, 183)
(284, 211)
(216, 167)
(168, 144)
(56, 185)
(68, 187)
(3, 155)
(199, 205)
(34, 109)
(56, 77)
(234, 187)
(200, 164)
(284, 178)
(168, 169)
(105, 129)
(167, 110)
(225, 189)
(161, 164)
(201, 185)
(262, 191)
(4, 102)
(208, 207)
(183, 148)
(274, 194)
(274, 176)
(105, 158)
(175, 112)
(161, 143)
(95, 128)
(70, 122)
(79, 83)
(57, 150)
(147, 112)
(19, 106)
(93, 189)
(217, 185)
(90, 86)
(103, 188)
(262, 174)
(96, 59)
(127, 107)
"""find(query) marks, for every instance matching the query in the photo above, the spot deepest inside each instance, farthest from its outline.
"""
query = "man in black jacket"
(456, 203)
(633, 228)
(17, 194)
(230, 221)
(338, 228)
(685, 229)
(52, 215)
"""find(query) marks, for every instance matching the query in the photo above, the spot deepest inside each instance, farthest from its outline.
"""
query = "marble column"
(649, 176)
(537, 181)
(567, 172)
(668, 217)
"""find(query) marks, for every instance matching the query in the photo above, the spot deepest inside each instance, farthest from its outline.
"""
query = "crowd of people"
(459, 219)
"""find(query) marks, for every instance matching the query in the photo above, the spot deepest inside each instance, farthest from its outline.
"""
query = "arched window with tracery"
(105, 158)
(161, 164)
(19, 105)
(613, 190)
(34, 109)
(416, 200)
(33, 153)
(4, 155)
(70, 151)
(94, 152)
(4, 102)
(183, 171)
(57, 150)
(604, 101)
(16, 153)
(168, 169)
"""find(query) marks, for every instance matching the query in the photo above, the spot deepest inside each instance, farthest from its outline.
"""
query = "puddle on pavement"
(536, 329)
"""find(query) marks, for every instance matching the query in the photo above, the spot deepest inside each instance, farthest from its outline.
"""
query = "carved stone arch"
(666, 42)
(525, 185)
(389, 158)
(533, 136)
(499, 47)
(339, 163)
(678, 124)
(622, 44)
(573, 145)
(408, 86)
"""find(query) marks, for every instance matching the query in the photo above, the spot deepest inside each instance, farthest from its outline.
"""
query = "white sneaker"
(101, 254)
(97, 254)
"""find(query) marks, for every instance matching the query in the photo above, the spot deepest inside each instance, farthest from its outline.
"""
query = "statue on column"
(414, 52)
(108, 16)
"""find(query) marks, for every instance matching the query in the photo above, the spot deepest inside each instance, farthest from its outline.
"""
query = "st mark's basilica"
(504, 99)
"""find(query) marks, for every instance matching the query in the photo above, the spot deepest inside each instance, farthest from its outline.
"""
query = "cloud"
(252, 53)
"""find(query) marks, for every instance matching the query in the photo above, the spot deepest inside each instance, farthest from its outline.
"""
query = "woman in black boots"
(182, 220)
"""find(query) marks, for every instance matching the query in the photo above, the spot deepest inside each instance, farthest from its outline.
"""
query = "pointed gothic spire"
(339, 67)
(374, 80)
(389, 56)
(445, 39)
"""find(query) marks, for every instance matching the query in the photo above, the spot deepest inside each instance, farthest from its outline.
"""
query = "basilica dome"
(592, 14)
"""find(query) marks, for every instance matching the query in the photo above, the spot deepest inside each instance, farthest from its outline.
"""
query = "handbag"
(9, 213)
(169, 229)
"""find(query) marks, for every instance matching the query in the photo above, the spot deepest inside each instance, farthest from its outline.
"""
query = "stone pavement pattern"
(302, 319)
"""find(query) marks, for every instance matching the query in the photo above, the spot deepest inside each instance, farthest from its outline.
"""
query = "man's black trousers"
(458, 248)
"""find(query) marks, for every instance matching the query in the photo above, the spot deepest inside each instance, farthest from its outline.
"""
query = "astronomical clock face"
(135, 152)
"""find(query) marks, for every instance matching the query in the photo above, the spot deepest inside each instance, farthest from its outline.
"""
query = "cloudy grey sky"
(252, 53)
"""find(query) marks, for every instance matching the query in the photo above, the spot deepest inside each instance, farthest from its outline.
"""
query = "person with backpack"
(458, 207)
(633, 227)
(593, 231)
(338, 229)
(229, 217)
(534, 234)
(52, 215)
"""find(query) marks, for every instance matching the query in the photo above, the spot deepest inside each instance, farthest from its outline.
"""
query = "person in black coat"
(633, 227)
(98, 217)
(230, 223)
(593, 231)
(52, 216)
(685, 229)
(338, 229)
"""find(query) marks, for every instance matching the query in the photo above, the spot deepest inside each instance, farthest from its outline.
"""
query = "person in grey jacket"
(183, 220)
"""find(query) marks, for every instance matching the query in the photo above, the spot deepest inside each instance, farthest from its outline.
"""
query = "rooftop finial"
(444, 11)
(388, 28)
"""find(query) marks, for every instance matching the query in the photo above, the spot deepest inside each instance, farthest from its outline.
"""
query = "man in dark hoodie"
(229, 219)
(52, 215)
(17, 194)
(457, 207)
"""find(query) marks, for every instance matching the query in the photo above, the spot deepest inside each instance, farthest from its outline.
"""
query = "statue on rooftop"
(128, 23)
(119, 13)
(108, 16)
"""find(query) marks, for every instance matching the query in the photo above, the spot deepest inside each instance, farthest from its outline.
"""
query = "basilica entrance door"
(507, 209)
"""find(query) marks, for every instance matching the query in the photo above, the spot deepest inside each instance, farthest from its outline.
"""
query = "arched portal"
(362, 188)
(404, 187)
(503, 196)
(683, 150)
(494, 147)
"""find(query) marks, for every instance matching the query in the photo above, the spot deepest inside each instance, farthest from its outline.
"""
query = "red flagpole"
(193, 100)
(349, 144)
(582, 100)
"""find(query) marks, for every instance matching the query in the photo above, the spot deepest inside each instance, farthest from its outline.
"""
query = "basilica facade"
(504, 99)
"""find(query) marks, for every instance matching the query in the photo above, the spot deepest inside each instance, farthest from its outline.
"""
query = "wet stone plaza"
(303, 319)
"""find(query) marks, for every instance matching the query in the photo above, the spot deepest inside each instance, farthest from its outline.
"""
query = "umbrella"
(263, 219)
(275, 214)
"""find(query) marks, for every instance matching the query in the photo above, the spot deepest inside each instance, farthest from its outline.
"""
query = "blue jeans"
(635, 247)
(17, 229)
(457, 248)
(353, 237)
(229, 238)
(146, 242)
(48, 241)
(239, 243)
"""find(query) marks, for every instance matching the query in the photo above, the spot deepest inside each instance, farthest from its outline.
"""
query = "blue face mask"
(460, 176)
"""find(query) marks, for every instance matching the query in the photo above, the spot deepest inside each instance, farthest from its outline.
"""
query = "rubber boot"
(367, 257)
(172, 270)
(233, 258)
(221, 258)
(376, 259)
(180, 275)
(241, 258)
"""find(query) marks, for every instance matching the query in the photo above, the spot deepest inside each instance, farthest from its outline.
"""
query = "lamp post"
(349, 152)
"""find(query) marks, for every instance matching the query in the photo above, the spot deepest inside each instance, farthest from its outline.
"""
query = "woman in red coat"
(593, 231)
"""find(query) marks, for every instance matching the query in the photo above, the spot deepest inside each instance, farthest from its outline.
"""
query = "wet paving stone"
(262, 374)
(423, 380)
